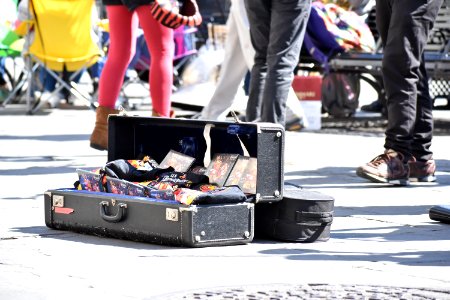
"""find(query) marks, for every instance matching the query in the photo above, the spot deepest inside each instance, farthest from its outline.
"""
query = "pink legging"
(123, 26)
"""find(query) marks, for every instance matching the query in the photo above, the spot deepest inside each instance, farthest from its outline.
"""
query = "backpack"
(340, 93)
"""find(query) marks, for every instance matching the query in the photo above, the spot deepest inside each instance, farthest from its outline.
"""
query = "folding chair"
(63, 41)
(10, 48)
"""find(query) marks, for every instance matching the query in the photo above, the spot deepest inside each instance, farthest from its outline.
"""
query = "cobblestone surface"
(316, 291)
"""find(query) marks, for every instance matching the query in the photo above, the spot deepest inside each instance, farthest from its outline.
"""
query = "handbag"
(174, 14)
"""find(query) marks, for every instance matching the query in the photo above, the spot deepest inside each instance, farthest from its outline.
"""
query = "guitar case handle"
(119, 216)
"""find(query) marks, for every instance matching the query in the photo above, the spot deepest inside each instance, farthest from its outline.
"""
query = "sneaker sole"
(378, 179)
(430, 178)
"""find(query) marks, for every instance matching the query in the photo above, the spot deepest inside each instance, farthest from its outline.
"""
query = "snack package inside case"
(145, 164)
(217, 195)
(118, 186)
(175, 180)
(226, 180)
(127, 170)
(90, 180)
(137, 189)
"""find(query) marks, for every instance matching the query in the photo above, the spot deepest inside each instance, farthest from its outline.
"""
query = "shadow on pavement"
(45, 232)
(50, 138)
(367, 210)
(419, 258)
(329, 177)
(44, 171)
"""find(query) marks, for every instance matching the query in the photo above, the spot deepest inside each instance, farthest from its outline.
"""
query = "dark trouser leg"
(277, 29)
(259, 18)
(404, 26)
(423, 129)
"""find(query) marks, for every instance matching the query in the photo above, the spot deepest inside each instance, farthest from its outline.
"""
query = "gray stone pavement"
(383, 244)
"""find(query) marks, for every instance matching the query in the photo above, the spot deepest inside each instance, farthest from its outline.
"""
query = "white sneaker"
(295, 113)
(52, 100)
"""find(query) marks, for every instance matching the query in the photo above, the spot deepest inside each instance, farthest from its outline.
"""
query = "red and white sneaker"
(386, 168)
(422, 171)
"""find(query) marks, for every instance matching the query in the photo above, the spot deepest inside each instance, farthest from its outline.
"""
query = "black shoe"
(375, 106)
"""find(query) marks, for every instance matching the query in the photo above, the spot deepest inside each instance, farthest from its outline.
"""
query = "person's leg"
(408, 29)
(161, 45)
(403, 26)
(67, 77)
(422, 165)
(391, 166)
(123, 30)
(232, 72)
(48, 84)
(423, 128)
(282, 56)
(258, 12)
(47, 80)
(243, 31)
(246, 82)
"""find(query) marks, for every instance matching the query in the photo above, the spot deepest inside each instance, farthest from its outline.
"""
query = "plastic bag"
(204, 67)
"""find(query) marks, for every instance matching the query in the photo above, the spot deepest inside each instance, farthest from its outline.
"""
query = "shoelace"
(383, 158)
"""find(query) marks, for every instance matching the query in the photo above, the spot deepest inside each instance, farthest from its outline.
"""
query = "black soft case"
(169, 222)
(440, 213)
(301, 216)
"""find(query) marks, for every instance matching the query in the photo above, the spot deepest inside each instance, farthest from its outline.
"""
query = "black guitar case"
(301, 216)
(440, 213)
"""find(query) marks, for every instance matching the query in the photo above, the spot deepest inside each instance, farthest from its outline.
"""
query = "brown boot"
(99, 137)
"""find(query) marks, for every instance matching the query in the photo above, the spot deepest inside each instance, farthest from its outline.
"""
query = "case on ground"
(301, 216)
(440, 213)
(145, 220)
(165, 221)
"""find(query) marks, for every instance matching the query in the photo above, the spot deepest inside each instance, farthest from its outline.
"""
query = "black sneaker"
(375, 106)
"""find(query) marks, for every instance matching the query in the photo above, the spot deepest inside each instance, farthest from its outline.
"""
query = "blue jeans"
(404, 26)
(2, 71)
(277, 29)
(49, 82)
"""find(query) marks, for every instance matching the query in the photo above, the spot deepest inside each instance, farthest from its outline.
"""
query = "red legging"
(123, 26)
